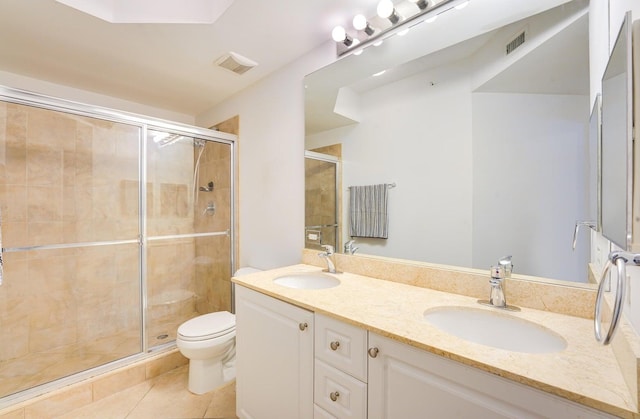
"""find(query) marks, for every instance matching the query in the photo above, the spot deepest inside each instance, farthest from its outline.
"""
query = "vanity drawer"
(320, 413)
(338, 393)
(341, 345)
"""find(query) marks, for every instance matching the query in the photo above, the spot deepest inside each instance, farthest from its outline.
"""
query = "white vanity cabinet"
(406, 382)
(292, 364)
(274, 358)
(340, 376)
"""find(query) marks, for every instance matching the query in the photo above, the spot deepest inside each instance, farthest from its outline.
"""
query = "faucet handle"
(497, 273)
(328, 248)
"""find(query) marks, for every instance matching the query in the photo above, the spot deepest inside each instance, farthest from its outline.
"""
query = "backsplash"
(576, 300)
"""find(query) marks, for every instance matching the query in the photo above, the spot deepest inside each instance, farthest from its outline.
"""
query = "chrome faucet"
(348, 247)
(506, 264)
(328, 255)
(497, 297)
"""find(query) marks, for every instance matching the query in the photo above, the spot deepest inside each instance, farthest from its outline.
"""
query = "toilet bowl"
(209, 342)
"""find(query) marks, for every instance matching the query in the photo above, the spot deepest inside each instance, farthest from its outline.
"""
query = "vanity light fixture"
(422, 4)
(357, 51)
(339, 34)
(360, 23)
(386, 10)
(428, 11)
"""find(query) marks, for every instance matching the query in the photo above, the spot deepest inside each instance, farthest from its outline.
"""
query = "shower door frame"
(144, 123)
(327, 158)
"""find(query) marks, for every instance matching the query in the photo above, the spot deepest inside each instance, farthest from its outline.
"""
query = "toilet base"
(206, 375)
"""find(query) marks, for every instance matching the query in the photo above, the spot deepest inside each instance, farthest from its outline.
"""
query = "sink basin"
(307, 281)
(495, 329)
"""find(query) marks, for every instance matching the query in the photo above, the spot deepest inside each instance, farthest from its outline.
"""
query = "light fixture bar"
(379, 35)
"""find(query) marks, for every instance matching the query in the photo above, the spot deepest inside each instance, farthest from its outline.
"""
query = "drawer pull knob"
(373, 352)
(303, 326)
(334, 396)
(334, 345)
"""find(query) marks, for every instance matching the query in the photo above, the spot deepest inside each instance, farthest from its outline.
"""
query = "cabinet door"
(274, 358)
(408, 383)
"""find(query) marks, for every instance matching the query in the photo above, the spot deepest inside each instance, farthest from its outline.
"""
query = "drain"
(161, 337)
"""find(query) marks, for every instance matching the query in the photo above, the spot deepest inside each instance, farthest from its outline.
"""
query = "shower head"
(164, 139)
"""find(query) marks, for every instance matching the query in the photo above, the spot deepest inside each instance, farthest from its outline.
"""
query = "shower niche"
(107, 241)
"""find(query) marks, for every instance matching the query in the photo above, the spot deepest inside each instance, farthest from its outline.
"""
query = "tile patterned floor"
(164, 397)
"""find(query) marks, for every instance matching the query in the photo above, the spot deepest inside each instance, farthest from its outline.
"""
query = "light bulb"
(385, 8)
(359, 22)
(377, 43)
(431, 19)
(462, 5)
(339, 34)
(403, 32)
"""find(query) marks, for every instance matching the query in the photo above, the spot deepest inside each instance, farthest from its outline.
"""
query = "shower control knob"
(334, 345)
(334, 396)
(303, 326)
(373, 352)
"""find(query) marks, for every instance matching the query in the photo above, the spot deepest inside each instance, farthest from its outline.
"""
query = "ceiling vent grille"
(515, 43)
(236, 63)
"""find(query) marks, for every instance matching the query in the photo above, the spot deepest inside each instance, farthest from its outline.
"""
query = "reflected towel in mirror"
(368, 214)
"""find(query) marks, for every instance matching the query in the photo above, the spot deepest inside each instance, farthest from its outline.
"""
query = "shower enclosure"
(322, 200)
(115, 229)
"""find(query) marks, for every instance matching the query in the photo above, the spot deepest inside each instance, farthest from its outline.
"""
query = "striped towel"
(368, 211)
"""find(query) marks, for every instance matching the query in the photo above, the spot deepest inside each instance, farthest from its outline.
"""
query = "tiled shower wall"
(321, 202)
(65, 179)
(58, 185)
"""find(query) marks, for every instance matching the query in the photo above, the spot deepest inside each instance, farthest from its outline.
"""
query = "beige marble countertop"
(585, 372)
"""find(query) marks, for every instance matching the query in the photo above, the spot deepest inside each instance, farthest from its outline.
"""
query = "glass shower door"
(188, 206)
(69, 188)
(322, 200)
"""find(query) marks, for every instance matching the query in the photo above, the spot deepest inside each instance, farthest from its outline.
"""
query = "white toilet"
(209, 342)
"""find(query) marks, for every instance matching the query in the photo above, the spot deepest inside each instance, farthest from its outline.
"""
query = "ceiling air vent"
(236, 63)
(515, 43)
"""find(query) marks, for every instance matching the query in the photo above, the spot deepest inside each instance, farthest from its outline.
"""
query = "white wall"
(271, 162)
(542, 134)
(435, 121)
(42, 87)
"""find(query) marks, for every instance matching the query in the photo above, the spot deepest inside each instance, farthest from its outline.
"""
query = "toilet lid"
(208, 326)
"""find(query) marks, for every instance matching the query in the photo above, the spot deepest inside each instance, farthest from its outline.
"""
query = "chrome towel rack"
(620, 260)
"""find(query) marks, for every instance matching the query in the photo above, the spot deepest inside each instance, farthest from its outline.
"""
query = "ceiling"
(169, 66)
(558, 63)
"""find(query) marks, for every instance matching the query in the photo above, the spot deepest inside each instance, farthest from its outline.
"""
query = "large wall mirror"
(489, 151)
(617, 126)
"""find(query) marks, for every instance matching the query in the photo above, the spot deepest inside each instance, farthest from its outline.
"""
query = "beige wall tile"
(115, 382)
(164, 364)
(15, 414)
(62, 402)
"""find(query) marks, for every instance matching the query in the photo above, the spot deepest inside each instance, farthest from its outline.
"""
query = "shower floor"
(31, 370)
